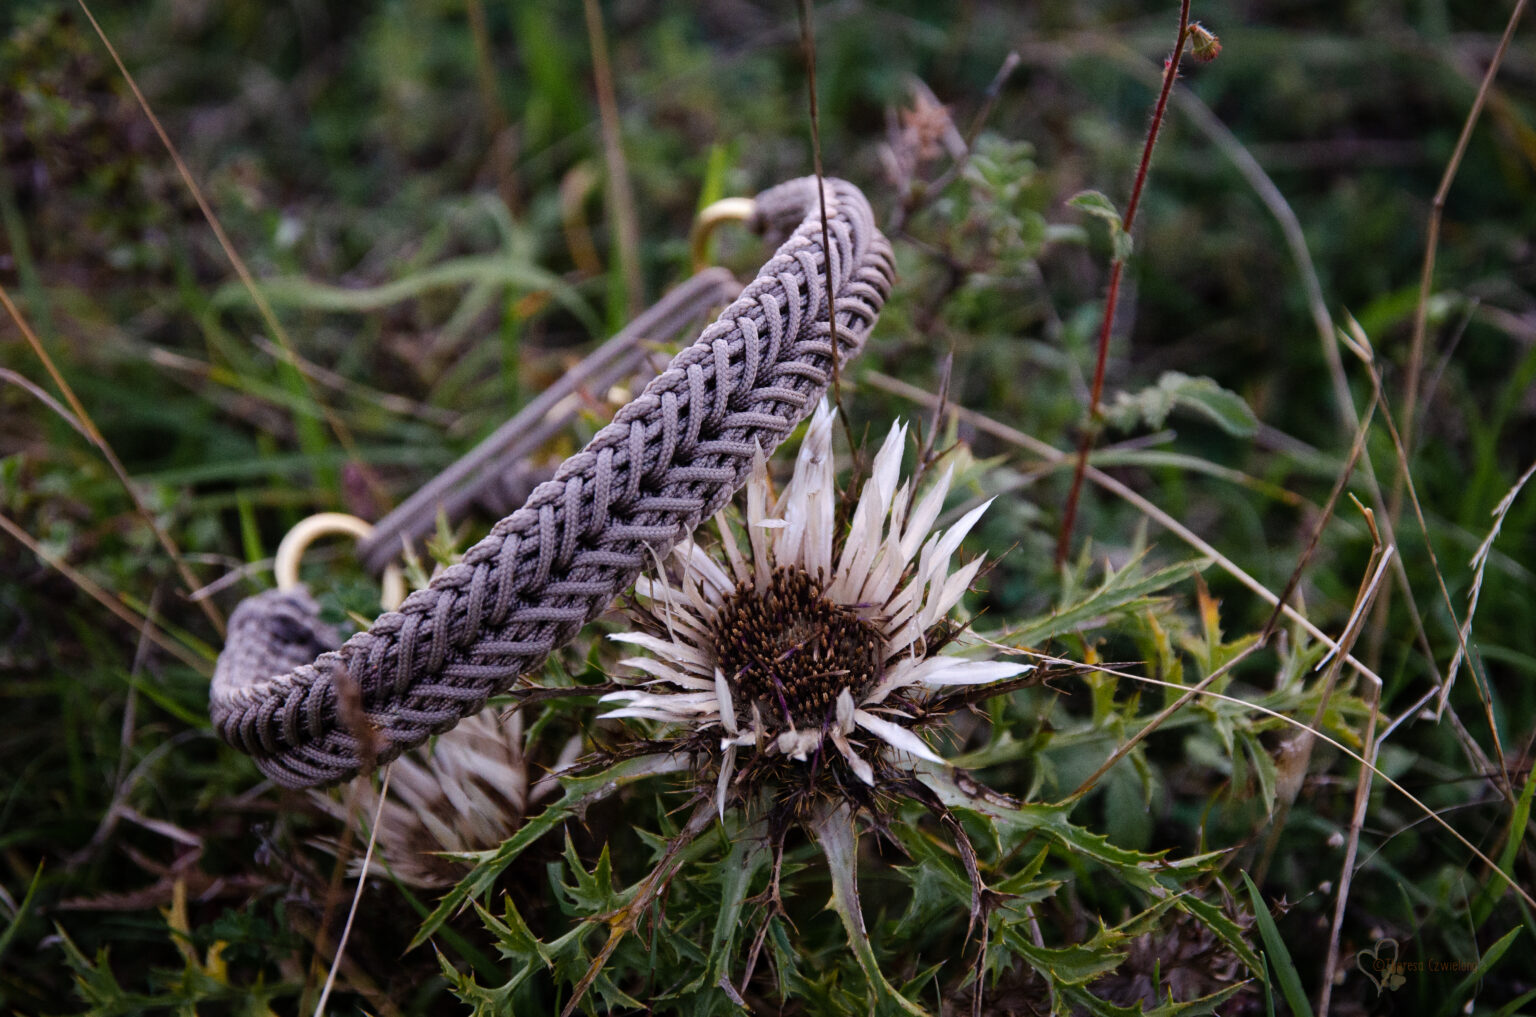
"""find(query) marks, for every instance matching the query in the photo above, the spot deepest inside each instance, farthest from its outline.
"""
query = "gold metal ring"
(306, 531)
(706, 222)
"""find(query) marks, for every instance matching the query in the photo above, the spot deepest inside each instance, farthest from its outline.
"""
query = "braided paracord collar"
(670, 458)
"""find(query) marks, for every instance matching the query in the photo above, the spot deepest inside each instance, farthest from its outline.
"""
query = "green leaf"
(958, 791)
(938, 884)
(496, 269)
(748, 856)
(1224, 408)
(1098, 205)
(1069, 965)
(1174, 390)
(515, 941)
(1285, 969)
(511, 932)
(1509, 1009)
(484, 1002)
(580, 791)
(94, 981)
(1191, 1008)
(1147, 872)
(1019, 882)
(1126, 814)
(593, 892)
(1263, 768)
(1230, 933)
(1121, 592)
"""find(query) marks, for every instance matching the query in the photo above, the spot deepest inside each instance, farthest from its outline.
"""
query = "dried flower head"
(1204, 46)
(810, 659)
(917, 135)
(467, 791)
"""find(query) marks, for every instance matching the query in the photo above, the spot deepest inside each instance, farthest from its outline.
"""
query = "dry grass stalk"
(263, 306)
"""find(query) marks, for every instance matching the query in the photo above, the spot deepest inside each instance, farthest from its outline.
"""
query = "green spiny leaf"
(580, 791)
(1122, 592)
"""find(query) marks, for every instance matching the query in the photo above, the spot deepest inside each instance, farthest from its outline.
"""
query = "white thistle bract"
(806, 647)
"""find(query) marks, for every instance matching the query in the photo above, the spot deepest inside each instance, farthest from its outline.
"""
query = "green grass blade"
(1285, 970)
(21, 912)
(1453, 1001)
(1483, 906)
(1509, 1009)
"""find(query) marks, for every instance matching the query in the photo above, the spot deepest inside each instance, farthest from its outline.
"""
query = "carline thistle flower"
(809, 652)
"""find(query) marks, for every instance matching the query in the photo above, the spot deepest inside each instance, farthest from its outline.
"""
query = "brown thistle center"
(791, 651)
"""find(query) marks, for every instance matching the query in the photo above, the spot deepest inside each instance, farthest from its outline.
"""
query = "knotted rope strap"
(669, 458)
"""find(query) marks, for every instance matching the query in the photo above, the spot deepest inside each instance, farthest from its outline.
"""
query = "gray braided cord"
(670, 458)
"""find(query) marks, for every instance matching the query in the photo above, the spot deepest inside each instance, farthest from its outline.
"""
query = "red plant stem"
(1090, 433)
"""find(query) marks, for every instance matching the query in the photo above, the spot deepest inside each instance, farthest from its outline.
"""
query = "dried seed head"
(924, 126)
(791, 651)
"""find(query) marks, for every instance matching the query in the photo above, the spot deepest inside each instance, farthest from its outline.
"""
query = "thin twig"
(1437, 213)
(350, 708)
(263, 306)
(919, 194)
(503, 144)
(808, 44)
(101, 596)
(1054, 455)
(1299, 755)
(1328, 335)
(1117, 266)
(1355, 451)
(623, 921)
(37, 392)
(1429, 813)
(131, 702)
(1426, 281)
(1358, 341)
(357, 895)
(397, 404)
(1201, 116)
(82, 419)
(1480, 682)
(1124, 749)
(1347, 868)
(1479, 568)
(621, 199)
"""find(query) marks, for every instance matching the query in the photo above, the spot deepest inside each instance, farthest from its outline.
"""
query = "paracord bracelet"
(671, 457)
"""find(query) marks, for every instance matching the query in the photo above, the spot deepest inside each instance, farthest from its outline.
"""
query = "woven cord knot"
(670, 458)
